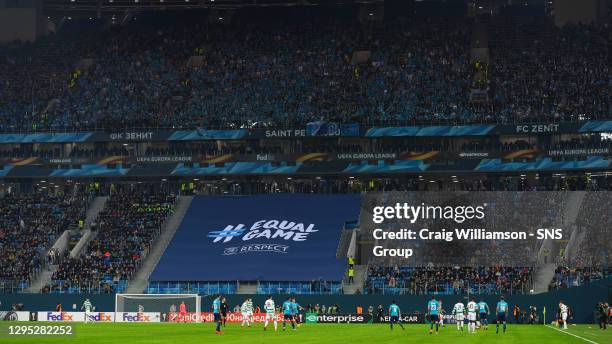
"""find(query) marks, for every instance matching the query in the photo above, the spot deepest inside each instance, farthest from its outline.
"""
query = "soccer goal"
(168, 304)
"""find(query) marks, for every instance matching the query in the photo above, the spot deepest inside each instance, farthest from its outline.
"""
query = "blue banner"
(90, 170)
(398, 166)
(204, 134)
(591, 162)
(319, 128)
(5, 170)
(443, 130)
(265, 237)
(44, 137)
(596, 126)
(238, 168)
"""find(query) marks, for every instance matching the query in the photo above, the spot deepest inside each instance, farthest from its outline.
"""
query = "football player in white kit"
(270, 309)
(563, 310)
(459, 314)
(472, 309)
(88, 307)
(247, 312)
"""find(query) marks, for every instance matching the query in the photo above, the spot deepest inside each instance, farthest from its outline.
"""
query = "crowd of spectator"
(291, 72)
(334, 184)
(574, 277)
(448, 280)
(31, 76)
(462, 280)
(123, 234)
(593, 228)
(561, 74)
(522, 212)
(28, 226)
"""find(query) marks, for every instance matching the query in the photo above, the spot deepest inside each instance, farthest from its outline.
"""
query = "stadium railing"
(318, 287)
(62, 287)
(207, 288)
(12, 286)
(380, 286)
(225, 287)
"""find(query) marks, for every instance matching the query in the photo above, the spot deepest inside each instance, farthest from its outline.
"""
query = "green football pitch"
(115, 333)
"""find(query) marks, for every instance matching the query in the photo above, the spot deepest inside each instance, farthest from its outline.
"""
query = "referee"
(223, 311)
(217, 313)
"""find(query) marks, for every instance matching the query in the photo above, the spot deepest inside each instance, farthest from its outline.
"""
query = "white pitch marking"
(573, 335)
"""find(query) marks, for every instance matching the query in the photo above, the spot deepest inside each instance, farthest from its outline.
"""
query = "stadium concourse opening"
(264, 171)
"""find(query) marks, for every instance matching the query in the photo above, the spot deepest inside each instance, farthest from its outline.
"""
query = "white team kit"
(459, 313)
(270, 309)
(247, 312)
(472, 309)
(564, 311)
(88, 307)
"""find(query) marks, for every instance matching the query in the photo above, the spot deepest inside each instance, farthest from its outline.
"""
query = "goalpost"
(159, 303)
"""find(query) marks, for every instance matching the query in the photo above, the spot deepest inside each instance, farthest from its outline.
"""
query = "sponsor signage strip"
(138, 317)
(232, 317)
(15, 316)
(313, 129)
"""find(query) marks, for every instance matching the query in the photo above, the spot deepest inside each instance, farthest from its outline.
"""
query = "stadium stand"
(595, 243)
(29, 224)
(448, 280)
(419, 71)
(575, 277)
(132, 219)
(539, 72)
(307, 105)
(126, 229)
(179, 161)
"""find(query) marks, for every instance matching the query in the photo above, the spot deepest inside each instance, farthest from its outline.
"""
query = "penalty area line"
(573, 335)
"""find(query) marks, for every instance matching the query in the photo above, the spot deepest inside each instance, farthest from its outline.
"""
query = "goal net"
(166, 304)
